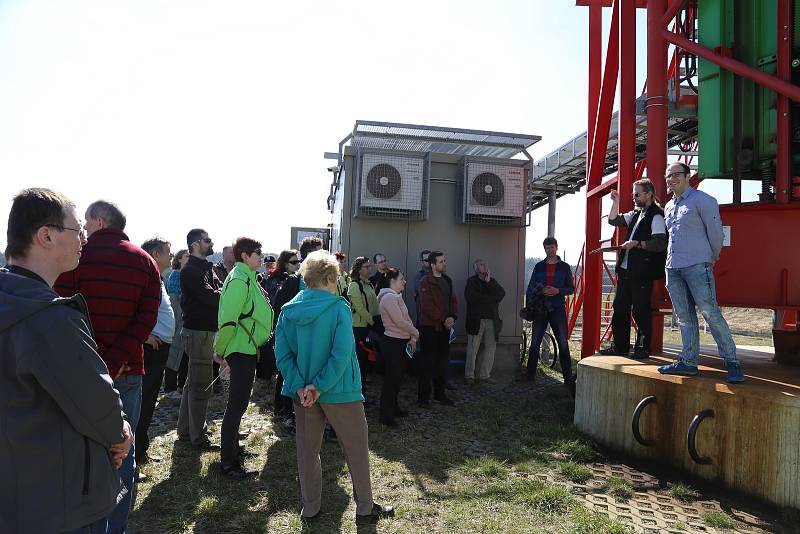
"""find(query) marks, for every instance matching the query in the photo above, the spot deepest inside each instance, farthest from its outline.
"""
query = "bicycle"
(548, 351)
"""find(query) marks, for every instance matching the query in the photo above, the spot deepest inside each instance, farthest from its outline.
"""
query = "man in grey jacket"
(62, 430)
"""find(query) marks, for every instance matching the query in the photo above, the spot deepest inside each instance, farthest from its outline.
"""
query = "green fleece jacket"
(242, 306)
(363, 309)
(314, 344)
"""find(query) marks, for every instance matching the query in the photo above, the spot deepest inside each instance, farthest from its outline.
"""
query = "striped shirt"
(122, 287)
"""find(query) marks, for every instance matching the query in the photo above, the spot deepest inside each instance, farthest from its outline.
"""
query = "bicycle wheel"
(548, 353)
(523, 348)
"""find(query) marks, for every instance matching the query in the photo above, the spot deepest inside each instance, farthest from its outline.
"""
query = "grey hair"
(476, 262)
(109, 212)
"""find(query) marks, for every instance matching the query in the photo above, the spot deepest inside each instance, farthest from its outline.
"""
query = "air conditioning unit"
(392, 186)
(494, 193)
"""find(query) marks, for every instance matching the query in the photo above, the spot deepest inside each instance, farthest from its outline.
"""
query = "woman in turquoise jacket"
(315, 352)
(245, 324)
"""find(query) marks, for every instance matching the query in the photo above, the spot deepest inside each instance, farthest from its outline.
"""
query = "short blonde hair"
(319, 269)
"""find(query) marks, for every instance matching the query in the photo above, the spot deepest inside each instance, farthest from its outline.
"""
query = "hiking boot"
(680, 368)
(612, 351)
(378, 512)
(238, 472)
(640, 354)
(735, 375)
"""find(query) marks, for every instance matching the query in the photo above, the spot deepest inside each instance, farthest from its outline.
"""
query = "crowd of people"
(93, 326)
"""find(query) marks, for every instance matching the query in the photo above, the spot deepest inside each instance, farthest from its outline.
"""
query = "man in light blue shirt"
(695, 243)
(156, 351)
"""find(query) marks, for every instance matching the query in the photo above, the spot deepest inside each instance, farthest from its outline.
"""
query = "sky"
(217, 114)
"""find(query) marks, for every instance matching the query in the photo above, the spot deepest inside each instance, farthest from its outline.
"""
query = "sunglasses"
(673, 174)
(293, 262)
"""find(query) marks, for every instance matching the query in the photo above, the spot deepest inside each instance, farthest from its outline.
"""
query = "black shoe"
(400, 413)
(378, 512)
(612, 351)
(445, 401)
(238, 472)
(424, 404)
(207, 446)
(640, 354)
(390, 424)
(147, 458)
(243, 453)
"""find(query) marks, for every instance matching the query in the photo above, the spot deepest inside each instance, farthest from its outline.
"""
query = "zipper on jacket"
(86, 466)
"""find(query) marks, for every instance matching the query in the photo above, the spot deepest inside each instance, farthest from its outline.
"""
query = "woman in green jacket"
(245, 324)
(364, 305)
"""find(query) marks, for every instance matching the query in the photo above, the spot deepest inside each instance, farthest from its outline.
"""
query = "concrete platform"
(750, 439)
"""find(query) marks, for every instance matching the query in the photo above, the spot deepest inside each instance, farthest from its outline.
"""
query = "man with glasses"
(200, 291)
(640, 261)
(122, 287)
(379, 280)
(63, 430)
(695, 243)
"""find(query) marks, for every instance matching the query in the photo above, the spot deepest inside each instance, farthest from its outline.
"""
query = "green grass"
(485, 467)
(718, 520)
(587, 522)
(618, 488)
(680, 525)
(682, 492)
(575, 472)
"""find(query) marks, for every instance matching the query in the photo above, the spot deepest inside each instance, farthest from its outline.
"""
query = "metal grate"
(392, 186)
(493, 193)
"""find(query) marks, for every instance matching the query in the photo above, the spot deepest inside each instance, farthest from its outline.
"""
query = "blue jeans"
(130, 391)
(694, 286)
(557, 319)
(98, 527)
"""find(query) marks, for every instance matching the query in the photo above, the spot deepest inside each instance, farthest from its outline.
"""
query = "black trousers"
(243, 373)
(433, 362)
(394, 359)
(176, 379)
(632, 293)
(361, 334)
(154, 362)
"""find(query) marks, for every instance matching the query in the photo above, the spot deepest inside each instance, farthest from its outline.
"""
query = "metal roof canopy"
(564, 169)
(440, 140)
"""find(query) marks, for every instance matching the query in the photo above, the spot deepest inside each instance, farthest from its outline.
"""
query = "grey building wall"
(401, 242)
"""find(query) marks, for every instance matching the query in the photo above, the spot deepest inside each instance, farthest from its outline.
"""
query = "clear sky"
(217, 114)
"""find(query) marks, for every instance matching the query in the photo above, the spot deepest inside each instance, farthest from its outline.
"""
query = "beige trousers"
(350, 424)
(486, 336)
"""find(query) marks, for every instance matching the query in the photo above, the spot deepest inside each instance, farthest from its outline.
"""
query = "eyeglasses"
(80, 231)
(206, 240)
(293, 262)
(673, 174)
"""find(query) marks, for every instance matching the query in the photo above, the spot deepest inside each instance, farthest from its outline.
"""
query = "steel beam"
(784, 72)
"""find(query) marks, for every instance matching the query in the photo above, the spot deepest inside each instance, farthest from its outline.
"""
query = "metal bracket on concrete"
(691, 437)
(637, 413)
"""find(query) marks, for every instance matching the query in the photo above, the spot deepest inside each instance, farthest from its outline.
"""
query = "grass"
(587, 522)
(718, 520)
(618, 488)
(682, 492)
(422, 469)
(575, 472)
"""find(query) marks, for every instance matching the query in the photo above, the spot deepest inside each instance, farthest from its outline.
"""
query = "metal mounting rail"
(691, 437)
(637, 413)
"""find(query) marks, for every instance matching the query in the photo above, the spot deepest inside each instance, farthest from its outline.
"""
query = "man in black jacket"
(200, 290)
(483, 295)
(640, 261)
(62, 430)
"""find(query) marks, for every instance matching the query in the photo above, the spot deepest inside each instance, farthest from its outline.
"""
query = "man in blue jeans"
(695, 242)
(550, 282)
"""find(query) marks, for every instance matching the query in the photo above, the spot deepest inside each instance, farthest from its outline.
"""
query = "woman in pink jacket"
(399, 333)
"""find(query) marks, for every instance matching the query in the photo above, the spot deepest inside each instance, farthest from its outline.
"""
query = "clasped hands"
(119, 451)
(550, 291)
(308, 395)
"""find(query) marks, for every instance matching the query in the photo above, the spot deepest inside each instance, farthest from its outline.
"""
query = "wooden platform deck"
(751, 442)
